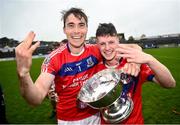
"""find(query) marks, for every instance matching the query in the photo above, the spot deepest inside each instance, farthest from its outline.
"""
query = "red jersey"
(134, 91)
(71, 72)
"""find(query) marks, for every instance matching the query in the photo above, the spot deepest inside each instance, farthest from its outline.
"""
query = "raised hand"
(132, 55)
(131, 69)
(24, 53)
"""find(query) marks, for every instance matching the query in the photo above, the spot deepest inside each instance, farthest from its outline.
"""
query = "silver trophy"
(103, 91)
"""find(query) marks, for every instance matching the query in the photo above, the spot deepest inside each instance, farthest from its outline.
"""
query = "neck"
(111, 64)
(76, 50)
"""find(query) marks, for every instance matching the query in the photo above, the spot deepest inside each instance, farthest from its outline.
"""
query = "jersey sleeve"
(146, 72)
(97, 53)
(49, 66)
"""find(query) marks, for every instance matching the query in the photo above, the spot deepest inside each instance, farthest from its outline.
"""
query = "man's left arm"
(162, 75)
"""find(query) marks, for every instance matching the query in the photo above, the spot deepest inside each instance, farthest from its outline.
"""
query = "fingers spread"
(123, 55)
(131, 69)
(28, 35)
(30, 39)
(124, 47)
(125, 68)
(27, 42)
(33, 47)
(136, 72)
(121, 50)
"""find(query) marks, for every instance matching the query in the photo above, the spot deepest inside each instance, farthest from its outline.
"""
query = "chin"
(109, 58)
(79, 45)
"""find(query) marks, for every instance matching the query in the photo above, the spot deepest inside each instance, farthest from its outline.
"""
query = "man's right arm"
(33, 93)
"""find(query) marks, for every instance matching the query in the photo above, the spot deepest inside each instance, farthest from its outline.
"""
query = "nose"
(106, 46)
(77, 29)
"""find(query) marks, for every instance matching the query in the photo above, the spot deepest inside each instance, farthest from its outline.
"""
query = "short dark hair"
(77, 12)
(105, 29)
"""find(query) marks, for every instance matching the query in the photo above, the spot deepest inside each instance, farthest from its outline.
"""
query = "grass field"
(159, 105)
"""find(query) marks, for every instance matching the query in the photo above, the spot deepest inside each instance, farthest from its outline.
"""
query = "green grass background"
(158, 103)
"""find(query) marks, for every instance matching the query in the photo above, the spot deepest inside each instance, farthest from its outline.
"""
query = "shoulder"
(91, 46)
(100, 66)
(145, 67)
(146, 71)
(58, 51)
(55, 54)
(94, 50)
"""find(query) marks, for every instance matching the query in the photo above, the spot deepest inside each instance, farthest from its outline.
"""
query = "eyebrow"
(70, 23)
(73, 23)
(82, 23)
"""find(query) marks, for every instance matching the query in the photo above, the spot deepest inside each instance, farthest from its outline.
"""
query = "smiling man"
(151, 68)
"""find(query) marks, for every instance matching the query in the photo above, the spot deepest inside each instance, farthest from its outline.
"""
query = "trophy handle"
(80, 104)
(124, 78)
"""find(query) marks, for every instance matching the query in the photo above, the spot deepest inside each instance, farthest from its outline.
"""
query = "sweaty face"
(107, 46)
(75, 30)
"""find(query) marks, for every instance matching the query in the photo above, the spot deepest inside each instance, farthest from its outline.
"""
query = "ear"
(117, 38)
(97, 40)
(64, 30)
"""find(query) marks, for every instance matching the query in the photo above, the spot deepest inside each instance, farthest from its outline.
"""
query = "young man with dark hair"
(151, 68)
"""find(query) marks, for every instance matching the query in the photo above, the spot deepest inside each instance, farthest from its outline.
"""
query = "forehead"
(107, 38)
(71, 18)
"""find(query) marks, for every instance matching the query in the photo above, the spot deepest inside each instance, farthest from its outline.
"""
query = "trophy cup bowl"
(102, 91)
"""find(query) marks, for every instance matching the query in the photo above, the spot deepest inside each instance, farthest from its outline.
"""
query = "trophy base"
(118, 111)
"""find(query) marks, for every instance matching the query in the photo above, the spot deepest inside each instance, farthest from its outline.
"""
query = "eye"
(70, 25)
(102, 44)
(111, 42)
(82, 25)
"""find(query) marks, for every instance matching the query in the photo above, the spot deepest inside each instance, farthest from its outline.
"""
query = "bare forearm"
(162, 74)
(29, 90)
(33, 93)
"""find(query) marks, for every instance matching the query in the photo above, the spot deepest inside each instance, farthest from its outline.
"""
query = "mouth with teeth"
(76, 37)
(109, 54)
(77, 40)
